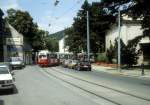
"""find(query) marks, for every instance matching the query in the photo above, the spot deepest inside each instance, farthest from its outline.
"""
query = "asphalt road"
(131, 85)
(35, 87)
(49, 86)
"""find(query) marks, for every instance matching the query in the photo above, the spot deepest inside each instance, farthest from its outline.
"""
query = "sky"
(48, 16)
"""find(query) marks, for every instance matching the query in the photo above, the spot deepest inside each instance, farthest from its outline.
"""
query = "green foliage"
(129, 55)
(98, 23)
(110, 53)
(135, 41)
(22, 22)
(57, 35)
(52, 44)
(140, 10)
(73, 41)
(1, 13)
(101, 57)
(39, 40)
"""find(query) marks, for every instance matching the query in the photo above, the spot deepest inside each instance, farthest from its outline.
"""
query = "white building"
(129, 30)
(62, 47)
(13, 46)
(16, 46)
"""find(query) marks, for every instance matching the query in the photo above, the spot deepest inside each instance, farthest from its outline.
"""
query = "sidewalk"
(126, 72)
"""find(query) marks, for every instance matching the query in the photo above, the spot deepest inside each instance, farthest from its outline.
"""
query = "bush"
(102, 57)
(110, 53)
(129, 55)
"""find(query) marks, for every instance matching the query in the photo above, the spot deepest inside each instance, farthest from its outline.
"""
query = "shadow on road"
(9, 92)
(1, 102)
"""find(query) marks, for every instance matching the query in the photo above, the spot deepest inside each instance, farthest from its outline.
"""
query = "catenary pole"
(88, 39)
(119, 45)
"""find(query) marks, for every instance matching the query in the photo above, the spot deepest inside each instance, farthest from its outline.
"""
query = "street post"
(119, 46)
(88, 39)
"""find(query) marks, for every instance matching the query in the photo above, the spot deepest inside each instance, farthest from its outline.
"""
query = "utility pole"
(119, 46)
(64, 41)
(88, 39)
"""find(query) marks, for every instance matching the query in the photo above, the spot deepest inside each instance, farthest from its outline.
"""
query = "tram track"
(88, 91)
(57, 74)
(93, 83)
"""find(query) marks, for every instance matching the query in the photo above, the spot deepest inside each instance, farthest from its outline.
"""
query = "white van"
(16, 62)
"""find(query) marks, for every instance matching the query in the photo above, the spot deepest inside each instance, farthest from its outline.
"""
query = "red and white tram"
(45, 58)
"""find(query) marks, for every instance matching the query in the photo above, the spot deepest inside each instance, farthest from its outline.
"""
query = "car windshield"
(42, 56)
(4, 70)
(75, 61)
(15, 59)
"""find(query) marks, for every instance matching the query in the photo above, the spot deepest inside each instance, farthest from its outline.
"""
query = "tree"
(110, 53)
(99, 24)
(52, 44)
(137, 9)
(39, 40)
(129, 55)
(23, 23)
(79, 26)
(140, 9)
(73, 41)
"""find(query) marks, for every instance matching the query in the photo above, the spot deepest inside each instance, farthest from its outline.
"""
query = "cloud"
(9, 4)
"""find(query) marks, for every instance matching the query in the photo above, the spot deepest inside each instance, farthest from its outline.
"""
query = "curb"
(123, 74)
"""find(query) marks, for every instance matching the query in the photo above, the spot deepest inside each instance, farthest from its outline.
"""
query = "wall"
(62, 47)
(14, 44)
(128, 32)
(1, 35)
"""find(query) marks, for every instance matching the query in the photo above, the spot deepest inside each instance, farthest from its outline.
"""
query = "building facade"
(1, 35)
(16, 46)
(129, 30)
(62, 47)
(13, 43)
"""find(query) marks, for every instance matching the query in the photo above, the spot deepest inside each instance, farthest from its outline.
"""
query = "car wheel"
(11, 90)
(89, 69)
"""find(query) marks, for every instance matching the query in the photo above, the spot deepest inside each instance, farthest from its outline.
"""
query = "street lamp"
(119, 46)
(88, 36)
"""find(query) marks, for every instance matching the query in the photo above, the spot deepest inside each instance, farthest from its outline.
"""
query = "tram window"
(42, 56)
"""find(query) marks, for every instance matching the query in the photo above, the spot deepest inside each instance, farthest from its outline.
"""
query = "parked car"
(16, 62)
(83, 65)
(72, 64)
(6, 78)
(65, 63)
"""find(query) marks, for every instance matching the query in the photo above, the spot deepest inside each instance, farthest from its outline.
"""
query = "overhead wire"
(65, 13)
(69, 10)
